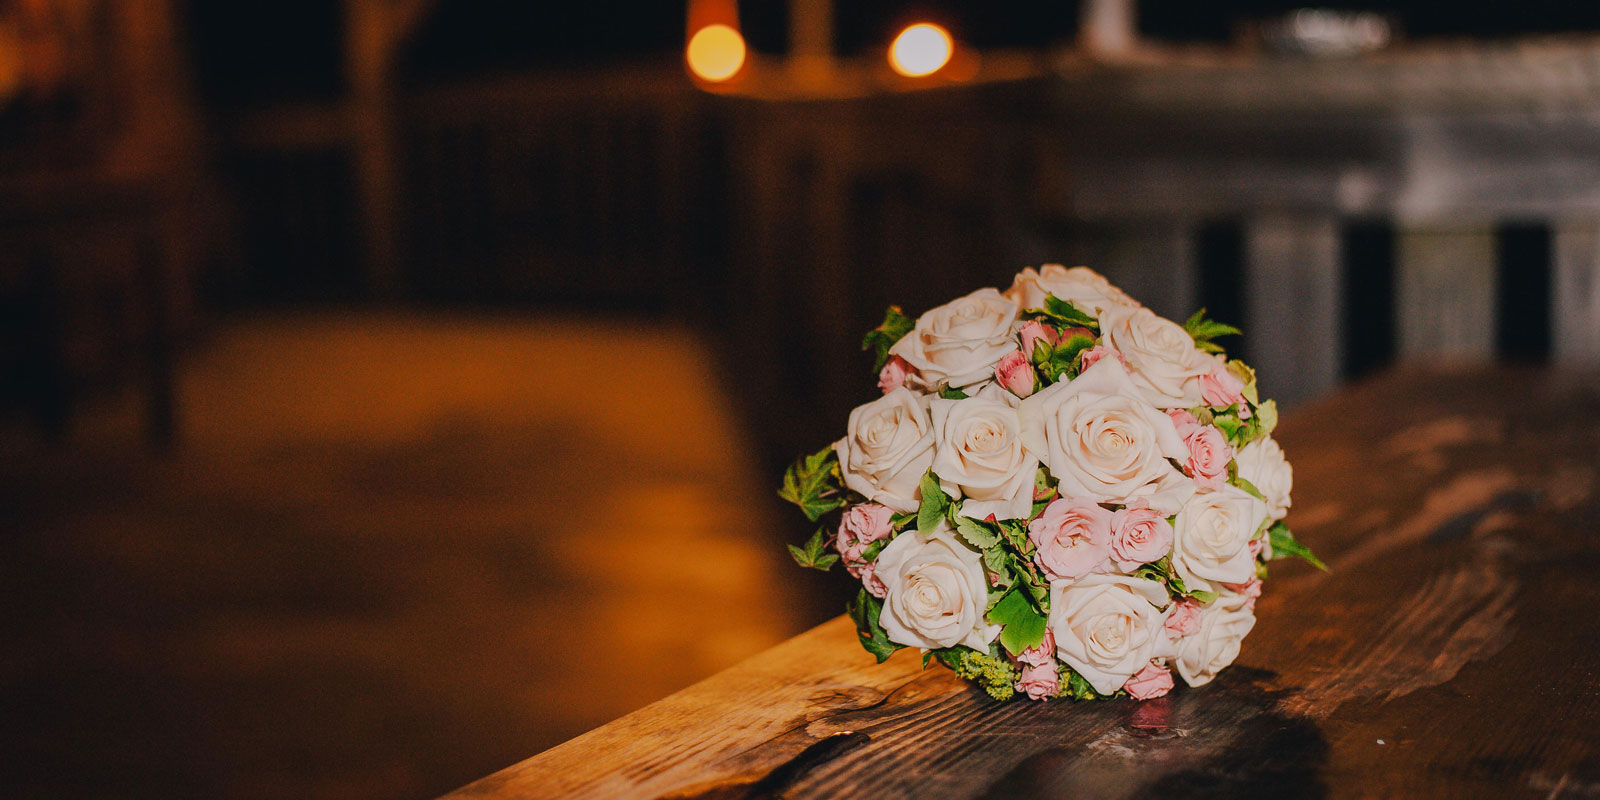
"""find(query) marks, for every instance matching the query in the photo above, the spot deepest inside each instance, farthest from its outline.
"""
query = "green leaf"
(1204, 330)
(898, 521)
(926, 658)
(1284, 544)
(1267, 413)
(1064, 358)
(814, 554)
(1076, 686)
(865, 611)
(1203, 597)
(1070, 315)
(949, 393)
(978, 534)
(1023, 626)
(811, 483)
(934, 504)
(894, 327)
(1249, 488)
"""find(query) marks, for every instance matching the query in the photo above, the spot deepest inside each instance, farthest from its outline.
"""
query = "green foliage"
(1075, 686)
(934, 504)
(1022, 624)
(814, 553)
(1204, 330)
(1062, 361)
(949, 393)
(895, 326)
(899, 521)
(1068, 315)
(812, 483)
(1284, 544)
(981, 535)
(865, 611)
(995, 674)
(1249, 488)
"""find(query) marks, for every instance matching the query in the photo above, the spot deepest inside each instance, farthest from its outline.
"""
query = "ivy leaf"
(950, 393)
(1204, 330)
(898, 521)
(865, 611)
(1022, 625)
(978, 534)
(1203, 597)
(1284, 544)
(814, 554)
(895, 326)
(934, 504)
(811, 483)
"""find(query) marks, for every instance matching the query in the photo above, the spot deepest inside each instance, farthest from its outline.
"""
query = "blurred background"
(392, 389)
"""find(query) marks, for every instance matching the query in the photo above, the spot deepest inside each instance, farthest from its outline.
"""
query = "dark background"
(390, 390)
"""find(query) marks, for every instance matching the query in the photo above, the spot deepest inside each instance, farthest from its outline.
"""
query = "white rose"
(936, 592)
(887, 448)
(1165, 364)
(1102, 440)
(978, 455)
(959, 343)
(1223, 626)
(1211, 538)
(1107, 627)
(1261, 462)
(1084, 287)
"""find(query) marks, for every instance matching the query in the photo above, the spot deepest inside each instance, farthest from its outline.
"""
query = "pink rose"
(1183, 619)
(1256, 545)
(1041, 654)
(1040, 682)
(1151, 681)
(1185, 422)
(1073, 536)
(1139, 535)
(865, 523)
(1016, 374)
(893, 375)
(1097, 352)
(1220, 388)
(1035, 332)
(1209, 454)
(1250, 590)
(868, 575)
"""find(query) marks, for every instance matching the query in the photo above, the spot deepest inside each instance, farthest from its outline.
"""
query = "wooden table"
(1450, 652)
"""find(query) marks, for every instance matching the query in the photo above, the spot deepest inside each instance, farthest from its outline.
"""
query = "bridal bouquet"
(1059, 492)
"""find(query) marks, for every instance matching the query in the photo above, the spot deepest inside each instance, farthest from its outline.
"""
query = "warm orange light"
(716, 53)
(921, 49)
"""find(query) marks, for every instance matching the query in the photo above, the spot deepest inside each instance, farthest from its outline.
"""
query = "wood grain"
(1450, 652)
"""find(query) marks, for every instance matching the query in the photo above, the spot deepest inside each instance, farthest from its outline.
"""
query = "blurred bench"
(1450, 652)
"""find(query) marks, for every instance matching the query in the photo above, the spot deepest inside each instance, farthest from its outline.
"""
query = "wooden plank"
(1450, 652)
(1576, 282)
(1293, 304)
(1446, 284)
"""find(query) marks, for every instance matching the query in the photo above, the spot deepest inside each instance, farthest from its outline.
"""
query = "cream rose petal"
(978, 455)
(1100, 439)
(935, 592)
(1106, 627)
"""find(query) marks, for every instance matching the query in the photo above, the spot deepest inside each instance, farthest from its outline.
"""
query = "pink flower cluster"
(1076, 536)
